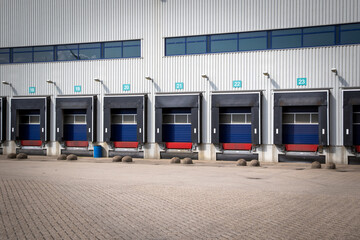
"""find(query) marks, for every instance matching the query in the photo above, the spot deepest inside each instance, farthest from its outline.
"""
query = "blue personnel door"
(300, 125)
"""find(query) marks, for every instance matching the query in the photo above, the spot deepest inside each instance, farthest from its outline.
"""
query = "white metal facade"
(43, 22)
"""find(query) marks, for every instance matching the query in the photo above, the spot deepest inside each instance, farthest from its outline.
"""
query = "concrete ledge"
(126, 153)
(32, 151)
(353, 160)
(234, 157)
(169, 155)
(78, 152)
(301, 158)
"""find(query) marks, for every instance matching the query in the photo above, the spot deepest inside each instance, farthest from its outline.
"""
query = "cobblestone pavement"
(85, 200)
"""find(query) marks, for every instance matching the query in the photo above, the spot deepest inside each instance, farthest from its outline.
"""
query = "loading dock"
(177, 124)
(2, 122)
(30, 124)
(124, 125)
(76, 124)
(301, 125)
(351, 120)
(236, 125)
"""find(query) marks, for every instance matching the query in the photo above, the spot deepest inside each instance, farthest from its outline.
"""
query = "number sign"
(301, 81)
(237, 84)
(126, 87)
(179, 85)
(77, 88)
(32, 89)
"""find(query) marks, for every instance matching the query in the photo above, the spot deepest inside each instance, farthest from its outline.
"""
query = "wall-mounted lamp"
(204, 76)
(334, 70)
(6, 83)
(148, 78)
(49, 81)
(97, 80)
(266, 74)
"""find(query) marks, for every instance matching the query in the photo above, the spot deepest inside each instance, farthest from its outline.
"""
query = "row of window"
(300, 118)
(123, 119)
(235, 118)
(71, 52)
(176, 118)
(261, 40)
(75, 119)
(29, 119)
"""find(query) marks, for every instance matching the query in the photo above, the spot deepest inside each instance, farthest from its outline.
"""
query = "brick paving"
(87, 200)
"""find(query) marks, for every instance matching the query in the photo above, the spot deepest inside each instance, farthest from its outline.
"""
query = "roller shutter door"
(123, 125)
(75, 125)
(29, 124)
(177, 125)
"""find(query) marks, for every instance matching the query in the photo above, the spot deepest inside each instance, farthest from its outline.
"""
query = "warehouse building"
(273, 80)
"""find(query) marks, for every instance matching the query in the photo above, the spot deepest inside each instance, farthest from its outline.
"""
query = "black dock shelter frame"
(2, 121)
(73, 103)
(252, 100)
(39, 103)
(319, 99)
(126, 102)
(192, 101)
(351, 98)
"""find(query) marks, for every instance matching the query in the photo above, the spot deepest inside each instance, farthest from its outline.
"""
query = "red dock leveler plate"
(31, 143)
(237, 146)
(126, 144)
(178, 145)
(301, 147)
(77, 143)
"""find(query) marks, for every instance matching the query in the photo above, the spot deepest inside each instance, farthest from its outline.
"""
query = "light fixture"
(148, 78)
(6, 83)
(204, 76)
(266, 74)
(334, 70)
(49, 81)
(97, 80)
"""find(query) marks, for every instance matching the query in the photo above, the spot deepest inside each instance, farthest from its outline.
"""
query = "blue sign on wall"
(179, 85)
(126, 87)
(77, 88)
(32, 89)
(301, 81)
(237, 84)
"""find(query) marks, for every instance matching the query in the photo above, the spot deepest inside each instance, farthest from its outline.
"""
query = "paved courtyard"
(156, 200)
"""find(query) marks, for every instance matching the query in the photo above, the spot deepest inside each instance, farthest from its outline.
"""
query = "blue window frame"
(252, 41)
(4, 55)
(23, 55)
(175, 46)
(44, 54)
(131, 49)
(196, 45)
(224, 43)
(67, 52)
(113, 49)
(89, 51)
(350, 34)
(289, 38)
(319, 36)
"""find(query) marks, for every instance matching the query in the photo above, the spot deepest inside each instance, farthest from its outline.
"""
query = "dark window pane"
(113, 44)
(90, 45)
(4, 50)
(350, 26)
(44, 56)
(113, 52)
(51, 48)
(356, 118)
(4, 58)
(89, 53)
(22, 57)
(67, 55)
(286, 32)
(175, 46)
(25, 49)
(66, 47)
(131, 49)
(286, 41)
(319, 39)
(252, 44)
(224, 43)
(196, 45)
(350, 37)
(319, 29)
(252, 34)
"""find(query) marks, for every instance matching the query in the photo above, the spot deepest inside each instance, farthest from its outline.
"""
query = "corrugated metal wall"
(43, 22)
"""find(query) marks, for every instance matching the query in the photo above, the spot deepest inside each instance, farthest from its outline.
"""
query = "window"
(350, 34)
(319, 36)
(176, 118)
(4, 55)
(74, 119)
(224, 43)
(113, 50)
(44, 54)
(235, 118)
(286, 38)
(252, 41)
(29, 119)
(89, 51)
(123, 119)
(68, 52)
(196, 45)
(22, 55)
(300, 118)
(175, 46)
(131, 49)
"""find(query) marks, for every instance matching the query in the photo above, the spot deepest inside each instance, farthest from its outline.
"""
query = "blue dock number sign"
(77, 88)
(126, 87)
(179, 85)
(32, 89)
(301, 81)
(237, 84)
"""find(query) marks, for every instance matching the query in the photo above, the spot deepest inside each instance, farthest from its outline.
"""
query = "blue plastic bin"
(97, 151)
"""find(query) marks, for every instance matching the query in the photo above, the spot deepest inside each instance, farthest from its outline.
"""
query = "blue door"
(75, 125)
(29, 125)
(123, 125)
(176, 125)
(235, 125)
(356, 124)
(300, 125)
